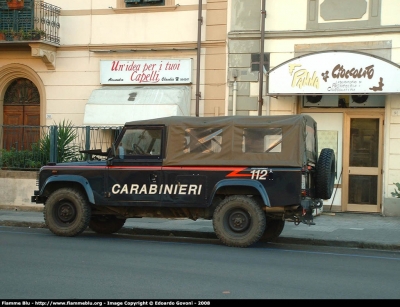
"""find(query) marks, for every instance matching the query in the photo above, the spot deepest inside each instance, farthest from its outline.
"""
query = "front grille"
(37, 178)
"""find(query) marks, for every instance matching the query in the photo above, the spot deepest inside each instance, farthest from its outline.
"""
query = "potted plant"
(15, 4)
(8, 34)
(391, 205)
(37, 34)
(26, 35)
(17, 35)
(2, 35)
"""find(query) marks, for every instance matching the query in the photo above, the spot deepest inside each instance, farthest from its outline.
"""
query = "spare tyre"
(326, 173)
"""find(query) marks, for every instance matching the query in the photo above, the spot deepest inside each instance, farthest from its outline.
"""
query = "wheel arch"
(54, 182)
(252, 184)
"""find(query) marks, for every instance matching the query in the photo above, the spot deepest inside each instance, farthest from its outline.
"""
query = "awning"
(116, 105)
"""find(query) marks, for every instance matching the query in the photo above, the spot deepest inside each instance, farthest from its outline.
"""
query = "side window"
(256, 140)
(310, 143)
(140, 142)
(203, 140)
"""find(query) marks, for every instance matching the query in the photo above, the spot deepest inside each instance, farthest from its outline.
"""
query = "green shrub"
(22, 159)
(39, 155)
(66, 150)
(396, 192)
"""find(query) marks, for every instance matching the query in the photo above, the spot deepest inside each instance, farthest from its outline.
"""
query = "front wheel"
(238, 221)
(106, 224)
(67, 212)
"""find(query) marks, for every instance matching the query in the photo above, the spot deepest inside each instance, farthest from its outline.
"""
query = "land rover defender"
(248, 174)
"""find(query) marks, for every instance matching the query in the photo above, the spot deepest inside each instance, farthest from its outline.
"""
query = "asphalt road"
(357, 230)
(36, 264)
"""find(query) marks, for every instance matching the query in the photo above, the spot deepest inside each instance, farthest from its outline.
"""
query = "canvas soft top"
(225, 135)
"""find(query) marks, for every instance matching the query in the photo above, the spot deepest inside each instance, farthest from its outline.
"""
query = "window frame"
(141, 3)
(255, 61)
(141, 157)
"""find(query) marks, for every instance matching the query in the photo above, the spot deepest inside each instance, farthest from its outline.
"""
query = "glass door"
(362, 173)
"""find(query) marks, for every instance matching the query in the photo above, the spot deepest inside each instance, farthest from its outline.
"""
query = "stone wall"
(16, 189)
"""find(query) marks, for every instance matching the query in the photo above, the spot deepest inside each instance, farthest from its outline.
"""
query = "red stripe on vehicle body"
(234, 172)
(201, 168)
(73, 167)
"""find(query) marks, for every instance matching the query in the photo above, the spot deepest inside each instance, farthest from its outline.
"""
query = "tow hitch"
(307, 217)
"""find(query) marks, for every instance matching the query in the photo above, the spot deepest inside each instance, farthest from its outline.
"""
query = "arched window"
(22, 92)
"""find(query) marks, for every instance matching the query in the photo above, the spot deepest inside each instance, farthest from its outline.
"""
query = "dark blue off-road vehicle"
(249, 175)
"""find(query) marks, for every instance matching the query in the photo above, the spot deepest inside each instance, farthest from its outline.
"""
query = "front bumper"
(36, 198)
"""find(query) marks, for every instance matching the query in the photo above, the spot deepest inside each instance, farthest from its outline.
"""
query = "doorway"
(362, 161)
(21, 115)
(358, 185)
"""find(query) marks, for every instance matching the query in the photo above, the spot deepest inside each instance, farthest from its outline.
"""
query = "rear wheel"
(326, 173)
(273, 230)
(67, 212)
(106, 224)
(238, 221)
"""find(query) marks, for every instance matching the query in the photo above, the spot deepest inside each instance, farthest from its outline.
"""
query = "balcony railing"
(37, 20)
(30, 147)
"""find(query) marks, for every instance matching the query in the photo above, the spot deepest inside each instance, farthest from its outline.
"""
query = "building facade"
(339, 62)
(105, 62)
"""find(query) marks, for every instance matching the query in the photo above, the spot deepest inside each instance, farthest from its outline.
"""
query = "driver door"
(134, 176)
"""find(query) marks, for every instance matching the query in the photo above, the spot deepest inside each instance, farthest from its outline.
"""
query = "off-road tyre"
(106, 224)
(67, 212)
(239, 221)
(326, 173)
(273, 230)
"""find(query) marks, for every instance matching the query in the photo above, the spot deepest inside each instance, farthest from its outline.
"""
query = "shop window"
(135, 3)
(255, 61)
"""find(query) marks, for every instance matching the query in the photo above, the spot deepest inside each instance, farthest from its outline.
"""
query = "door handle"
(153, 178)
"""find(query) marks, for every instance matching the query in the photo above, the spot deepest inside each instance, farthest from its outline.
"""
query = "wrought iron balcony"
(28, 21)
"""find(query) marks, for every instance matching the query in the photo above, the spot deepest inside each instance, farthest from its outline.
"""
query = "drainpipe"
(261, 69)
(234, 95)
(200, 22)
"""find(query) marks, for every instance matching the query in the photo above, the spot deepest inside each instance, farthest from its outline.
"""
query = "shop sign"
(148, 71)
(335, 72)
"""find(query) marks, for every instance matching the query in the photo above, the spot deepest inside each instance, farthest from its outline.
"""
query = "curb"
(337, 243)
(23, 224)
(212, 235)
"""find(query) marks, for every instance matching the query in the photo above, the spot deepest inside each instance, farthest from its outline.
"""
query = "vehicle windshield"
(140, 141)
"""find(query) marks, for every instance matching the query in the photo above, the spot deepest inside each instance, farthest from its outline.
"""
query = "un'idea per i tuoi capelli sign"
(147, 71)
(334, 72)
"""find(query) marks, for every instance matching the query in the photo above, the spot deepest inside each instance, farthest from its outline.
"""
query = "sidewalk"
(359, 230)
